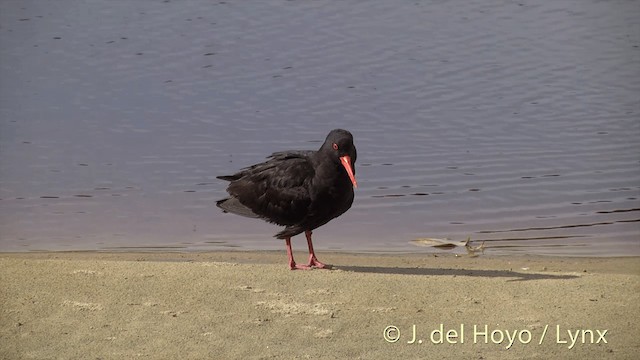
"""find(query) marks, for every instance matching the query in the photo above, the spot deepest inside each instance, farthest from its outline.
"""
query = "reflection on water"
(513, 124)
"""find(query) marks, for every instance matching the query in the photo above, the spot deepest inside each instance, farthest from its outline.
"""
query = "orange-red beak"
(346, 162)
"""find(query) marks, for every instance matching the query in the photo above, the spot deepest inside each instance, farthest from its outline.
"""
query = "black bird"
(301, 190)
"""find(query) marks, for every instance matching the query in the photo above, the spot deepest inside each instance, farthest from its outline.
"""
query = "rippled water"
(510, 122)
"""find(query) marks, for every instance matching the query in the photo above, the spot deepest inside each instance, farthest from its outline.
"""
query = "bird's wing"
(273, 160)
(276, 190)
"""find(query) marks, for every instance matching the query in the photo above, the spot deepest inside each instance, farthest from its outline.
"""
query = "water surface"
(510, 122)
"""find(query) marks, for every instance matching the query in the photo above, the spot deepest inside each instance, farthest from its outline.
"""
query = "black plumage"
(301, 190)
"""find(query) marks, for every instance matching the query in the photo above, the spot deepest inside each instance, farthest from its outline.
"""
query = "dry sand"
(230, 305)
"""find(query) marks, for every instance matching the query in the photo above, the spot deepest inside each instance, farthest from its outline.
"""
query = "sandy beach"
(229, 305)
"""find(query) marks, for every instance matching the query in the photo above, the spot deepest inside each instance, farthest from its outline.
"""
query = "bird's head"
(339, 146)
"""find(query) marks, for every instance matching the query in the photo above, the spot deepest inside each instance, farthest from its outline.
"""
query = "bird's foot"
(295, 266)
(313, 264)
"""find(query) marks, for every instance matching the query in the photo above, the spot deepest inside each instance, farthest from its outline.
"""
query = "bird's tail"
(228, 177)
(233, 205)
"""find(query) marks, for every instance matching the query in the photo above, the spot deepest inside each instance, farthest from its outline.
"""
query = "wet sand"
(89, 305)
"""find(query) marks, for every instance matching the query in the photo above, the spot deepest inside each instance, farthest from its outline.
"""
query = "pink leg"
(292, 263)
(313, 260)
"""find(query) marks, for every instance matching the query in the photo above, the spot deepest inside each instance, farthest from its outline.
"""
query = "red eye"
(335, 146)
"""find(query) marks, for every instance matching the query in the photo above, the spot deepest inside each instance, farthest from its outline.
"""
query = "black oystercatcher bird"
(301, 190)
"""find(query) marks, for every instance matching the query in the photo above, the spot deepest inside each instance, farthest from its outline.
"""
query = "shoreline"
(338, 259)
(238, 304)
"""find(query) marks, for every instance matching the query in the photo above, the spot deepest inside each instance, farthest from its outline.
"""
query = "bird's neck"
(329, 171)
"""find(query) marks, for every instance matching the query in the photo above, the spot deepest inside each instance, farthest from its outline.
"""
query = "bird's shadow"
(513, 275)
